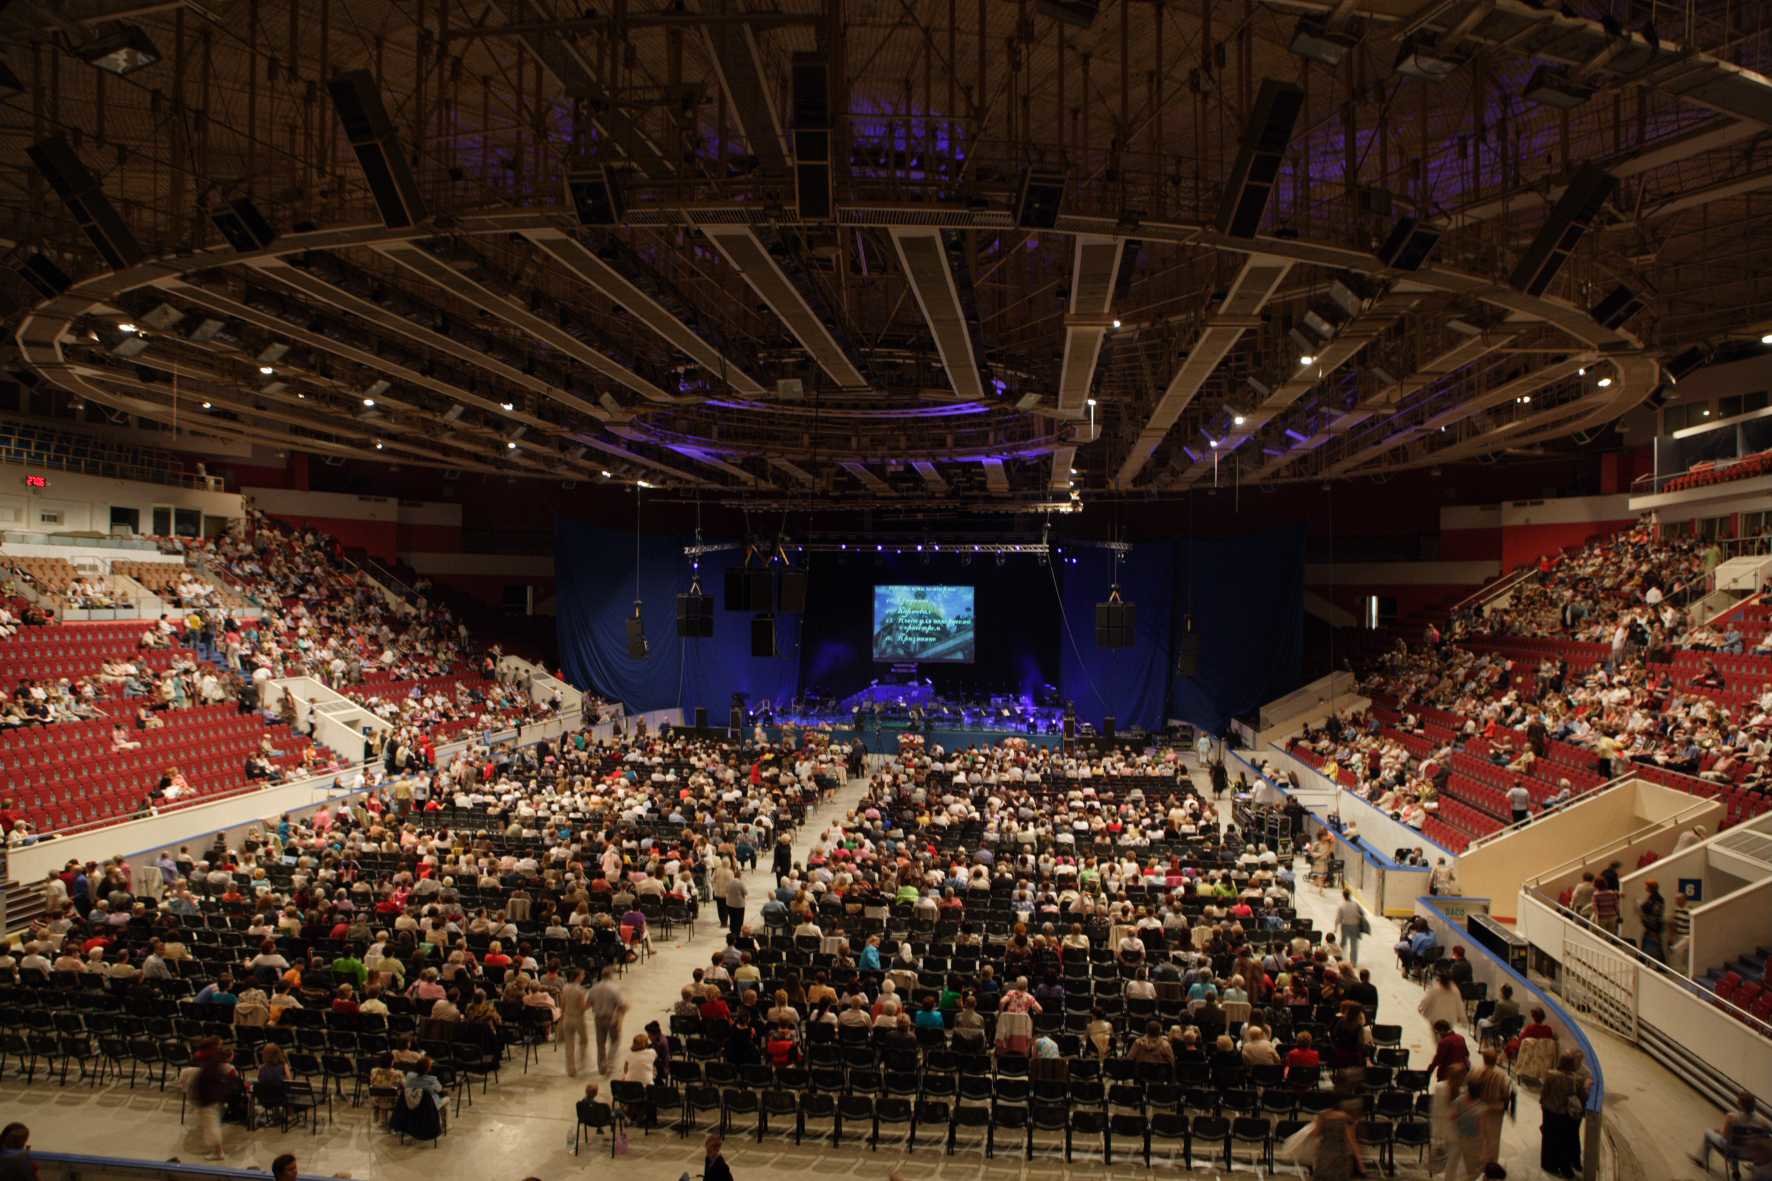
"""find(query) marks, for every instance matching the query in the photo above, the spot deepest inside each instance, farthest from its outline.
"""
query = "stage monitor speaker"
(763, 635)
(793, 592)
(812, 174)
(1187, 656)
(1258, 159)
(595, 197)
(1039, 199)
(1109, 723)
(48, 279)
(1115, 624)
(245, 228)
(695, 616)
(85, 198)
(1620, 304)
(701, 717)
(1409, 245)
(1589, 190)
(810, 102)
(637, 647)
(357, 100)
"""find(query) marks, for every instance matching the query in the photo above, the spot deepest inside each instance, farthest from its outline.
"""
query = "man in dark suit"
(715, 1167)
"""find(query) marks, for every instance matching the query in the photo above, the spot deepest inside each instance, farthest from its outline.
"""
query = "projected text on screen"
(924, 624)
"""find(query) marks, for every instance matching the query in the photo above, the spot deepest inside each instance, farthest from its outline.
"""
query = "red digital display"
(36, 481)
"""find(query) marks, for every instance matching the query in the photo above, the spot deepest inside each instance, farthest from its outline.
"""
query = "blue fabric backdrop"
(1130, 683)
(595, 569)
(1247, 596)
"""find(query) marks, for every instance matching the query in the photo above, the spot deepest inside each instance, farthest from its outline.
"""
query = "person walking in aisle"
(1563, 1099)
(735, 898)
(575, 1004)
(1352, 921)
(784, 857)
(608, 1007)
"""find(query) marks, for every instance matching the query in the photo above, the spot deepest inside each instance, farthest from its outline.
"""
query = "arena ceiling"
(917, 340)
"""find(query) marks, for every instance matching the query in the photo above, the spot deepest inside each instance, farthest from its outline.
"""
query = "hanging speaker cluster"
(357, 100)
(637, 646)
(85, 198)
(811, 106)
(695, 614)
(1257, 167)
(1116, 622)
(1589, 190)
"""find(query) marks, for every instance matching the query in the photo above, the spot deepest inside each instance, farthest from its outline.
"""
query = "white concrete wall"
(85, 502)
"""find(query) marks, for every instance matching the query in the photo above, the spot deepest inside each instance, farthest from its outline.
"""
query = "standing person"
(1352, 921)
(607, 1010)
(1491, 1087)
(1562, 1101)
(1519, 801)
(1338, 1153)
(209, 1092)
(715, 1168)
(735, 897)
(575, 1003)
(1679, 931)
(1606, 905)
(784, 857)
(1652, 912)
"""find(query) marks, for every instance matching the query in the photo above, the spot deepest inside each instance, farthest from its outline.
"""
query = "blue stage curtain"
(595, 572)
(1130, 683)
(1247, 597)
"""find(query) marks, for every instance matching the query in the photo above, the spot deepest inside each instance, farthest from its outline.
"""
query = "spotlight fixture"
(507, 406)
(1212, 443)
(605, 473)
(378, 444)
(119, 48)
(1116, 323)
(126, 327)
(208, 406)
(1313, 41)
(1306, 359)
(369, 401)
(1090, 403)
(1553, 88)
(266, 370)
(1420, 57)
(1604, 382)
(1238, 419)
(1582, 372)
(511, 445)
(1766, 339)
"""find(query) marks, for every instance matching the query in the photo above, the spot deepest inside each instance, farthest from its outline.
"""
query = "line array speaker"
(763, 635)
(1039, 199)
(810, 105)
(1620, 304)
(1409, 245)
(748, 589)
(636, 638)
(48, 279)
(1187, 655)
(357, 100)
(1589, 190)
(85, 198)
(695, 616)
(1116, 623)
(1258, 159)
(245, 228)
(792, 597)
(595, 197)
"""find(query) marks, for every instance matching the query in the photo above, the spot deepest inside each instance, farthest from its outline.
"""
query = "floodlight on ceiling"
(1551, 87)
(266, 370)
(1238, 419)
(1313, 40)
(1604, 383)
(369, 402)
(118, 48)
(1420, 57)
(126, 327)
(1766, 339)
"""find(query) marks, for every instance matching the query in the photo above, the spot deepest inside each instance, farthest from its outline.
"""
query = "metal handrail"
(75, 1163)
(1493, 590)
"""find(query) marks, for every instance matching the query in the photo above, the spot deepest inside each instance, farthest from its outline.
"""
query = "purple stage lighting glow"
(1294, 435)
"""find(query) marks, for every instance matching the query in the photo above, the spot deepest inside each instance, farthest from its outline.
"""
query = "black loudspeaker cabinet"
(1589, 190)
(1187, 656)
(701, 717)
(763, 635)
(636, 639)
(749, 589)
(1039, 200)
(811, 94)
(792, 597)
(1258, 161)
(85, 198)
(695, 616)
(357, 100)
(44, 276)
(1620, 304)
(1109, 725)
(245, 228)
(1409, 245)
(1115, 624)
(595, 197)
